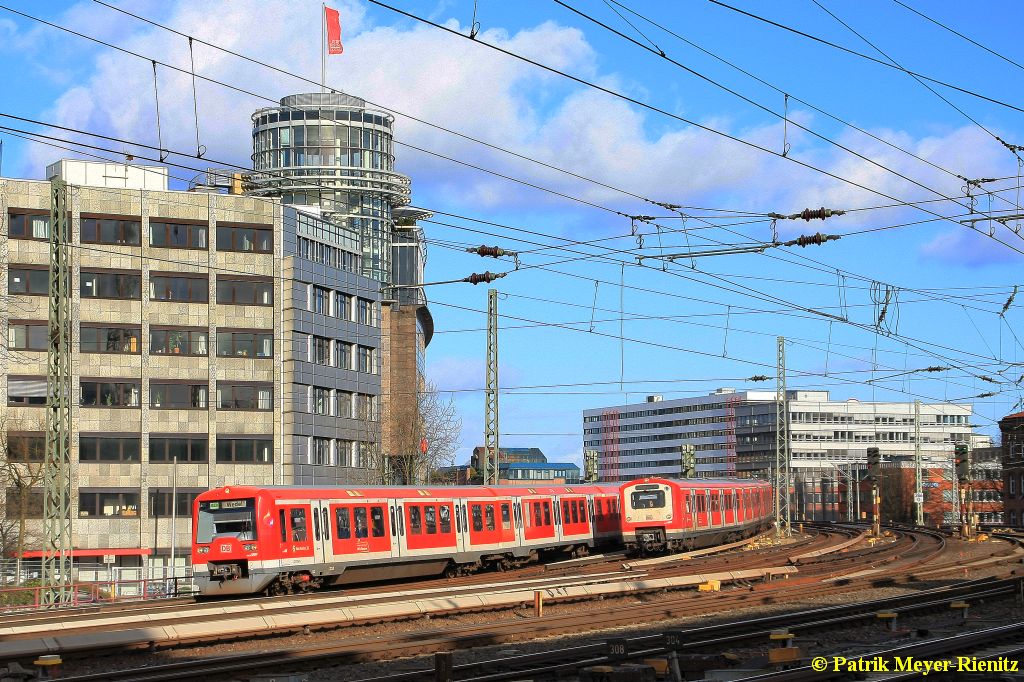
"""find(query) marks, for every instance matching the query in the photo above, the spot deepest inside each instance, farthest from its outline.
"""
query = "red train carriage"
(660, 514)
(277, 539)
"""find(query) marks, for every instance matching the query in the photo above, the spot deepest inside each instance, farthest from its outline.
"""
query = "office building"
(228, 334)
(330, 152)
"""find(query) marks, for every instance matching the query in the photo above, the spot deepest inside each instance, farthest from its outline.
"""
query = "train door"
(703, 518)
(394, 515)
(729, 506)
(322, 549)
(687, 513)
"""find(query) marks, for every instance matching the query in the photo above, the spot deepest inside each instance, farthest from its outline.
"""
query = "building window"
(178, 396)
(109, 394)
(183, 449)
(27, 280)
(365, 310)
(366, 407)
(342, 404)
(111, 231)
(343, 358)
(26, 447)
(190, 289)
(178, 342)
(24, 504)
(108, 448)
(177, 235)
(321, 301)
(245, 344)
(1013, 486)
(320, 451)
(27, 335)
(245, 396)
(26, 390)
(321, 351)
(246, 239)
(321, 401)
(111, 339)
(342, 305)
(114, 285)
(113, 503)
(29, 226)
(245, 291)
(160, 503)
(367, 358)
(245, 450)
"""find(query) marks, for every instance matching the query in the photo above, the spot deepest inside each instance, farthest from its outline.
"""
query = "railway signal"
(687, 461)
(962, 466)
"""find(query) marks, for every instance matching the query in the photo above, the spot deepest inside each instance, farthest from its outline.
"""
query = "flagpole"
(323, 47)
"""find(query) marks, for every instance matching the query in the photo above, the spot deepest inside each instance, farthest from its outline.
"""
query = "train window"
(702, 504)
(377, 521)
(430, 519)
(478, 520)
(547, 513)
(415, 527)
(316, 526)
(343, 529)
(573, 513)
(647, 499)
(394, 529)
(538, 520)
(445, 514)
(583, 510)
(565, 511)
(506, 520)
(716, 503)
(359, 521)
(689, 504)
(326, 523)
(284, 525)
(489, 515)
(298, 524)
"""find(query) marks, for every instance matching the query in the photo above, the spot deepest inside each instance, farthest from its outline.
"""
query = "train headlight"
(629, 518)
(249, 548)
(203, 550)
(668, 518)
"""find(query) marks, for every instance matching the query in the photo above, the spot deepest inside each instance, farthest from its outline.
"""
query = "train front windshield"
(647, 499)
(226, 519)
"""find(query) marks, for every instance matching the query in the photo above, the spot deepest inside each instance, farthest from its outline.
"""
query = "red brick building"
(1011, 428)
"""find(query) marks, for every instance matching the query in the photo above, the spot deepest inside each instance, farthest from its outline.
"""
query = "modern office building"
(330, 152)
(231, 335)
(733, 433)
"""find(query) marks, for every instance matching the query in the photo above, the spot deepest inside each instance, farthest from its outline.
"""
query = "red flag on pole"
(333, 21)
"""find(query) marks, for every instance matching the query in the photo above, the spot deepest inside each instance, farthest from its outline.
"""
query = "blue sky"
(688, 330)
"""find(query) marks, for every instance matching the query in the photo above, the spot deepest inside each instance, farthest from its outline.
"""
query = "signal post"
(874, 460)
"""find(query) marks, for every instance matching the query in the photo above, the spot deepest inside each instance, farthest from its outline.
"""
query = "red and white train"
(279, 539)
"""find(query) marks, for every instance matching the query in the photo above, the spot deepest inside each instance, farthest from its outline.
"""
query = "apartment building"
(216, 340)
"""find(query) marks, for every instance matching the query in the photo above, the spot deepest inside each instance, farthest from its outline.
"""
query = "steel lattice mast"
(918, 483)
(782, 515)
(57, 467)
(490, 463)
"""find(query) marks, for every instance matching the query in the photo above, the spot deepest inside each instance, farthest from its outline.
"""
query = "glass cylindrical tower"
(327, 150)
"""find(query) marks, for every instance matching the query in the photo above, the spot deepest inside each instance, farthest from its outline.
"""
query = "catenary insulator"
(478, 277)
(492, 251)
(806, 240)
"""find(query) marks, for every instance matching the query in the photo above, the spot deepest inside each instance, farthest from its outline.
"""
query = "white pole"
(174, 508)
(323, 47)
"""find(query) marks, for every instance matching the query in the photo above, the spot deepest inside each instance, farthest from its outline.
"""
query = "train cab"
(648, 511)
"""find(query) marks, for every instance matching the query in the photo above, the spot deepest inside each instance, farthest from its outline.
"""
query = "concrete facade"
(199, 347)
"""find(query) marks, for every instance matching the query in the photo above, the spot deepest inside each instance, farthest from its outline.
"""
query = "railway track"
(897, 559)
(559, 660)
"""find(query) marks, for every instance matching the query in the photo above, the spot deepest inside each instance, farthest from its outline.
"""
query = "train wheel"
(452, 570)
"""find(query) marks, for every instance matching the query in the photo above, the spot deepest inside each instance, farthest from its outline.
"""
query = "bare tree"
(437, 426)
(21, 471)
